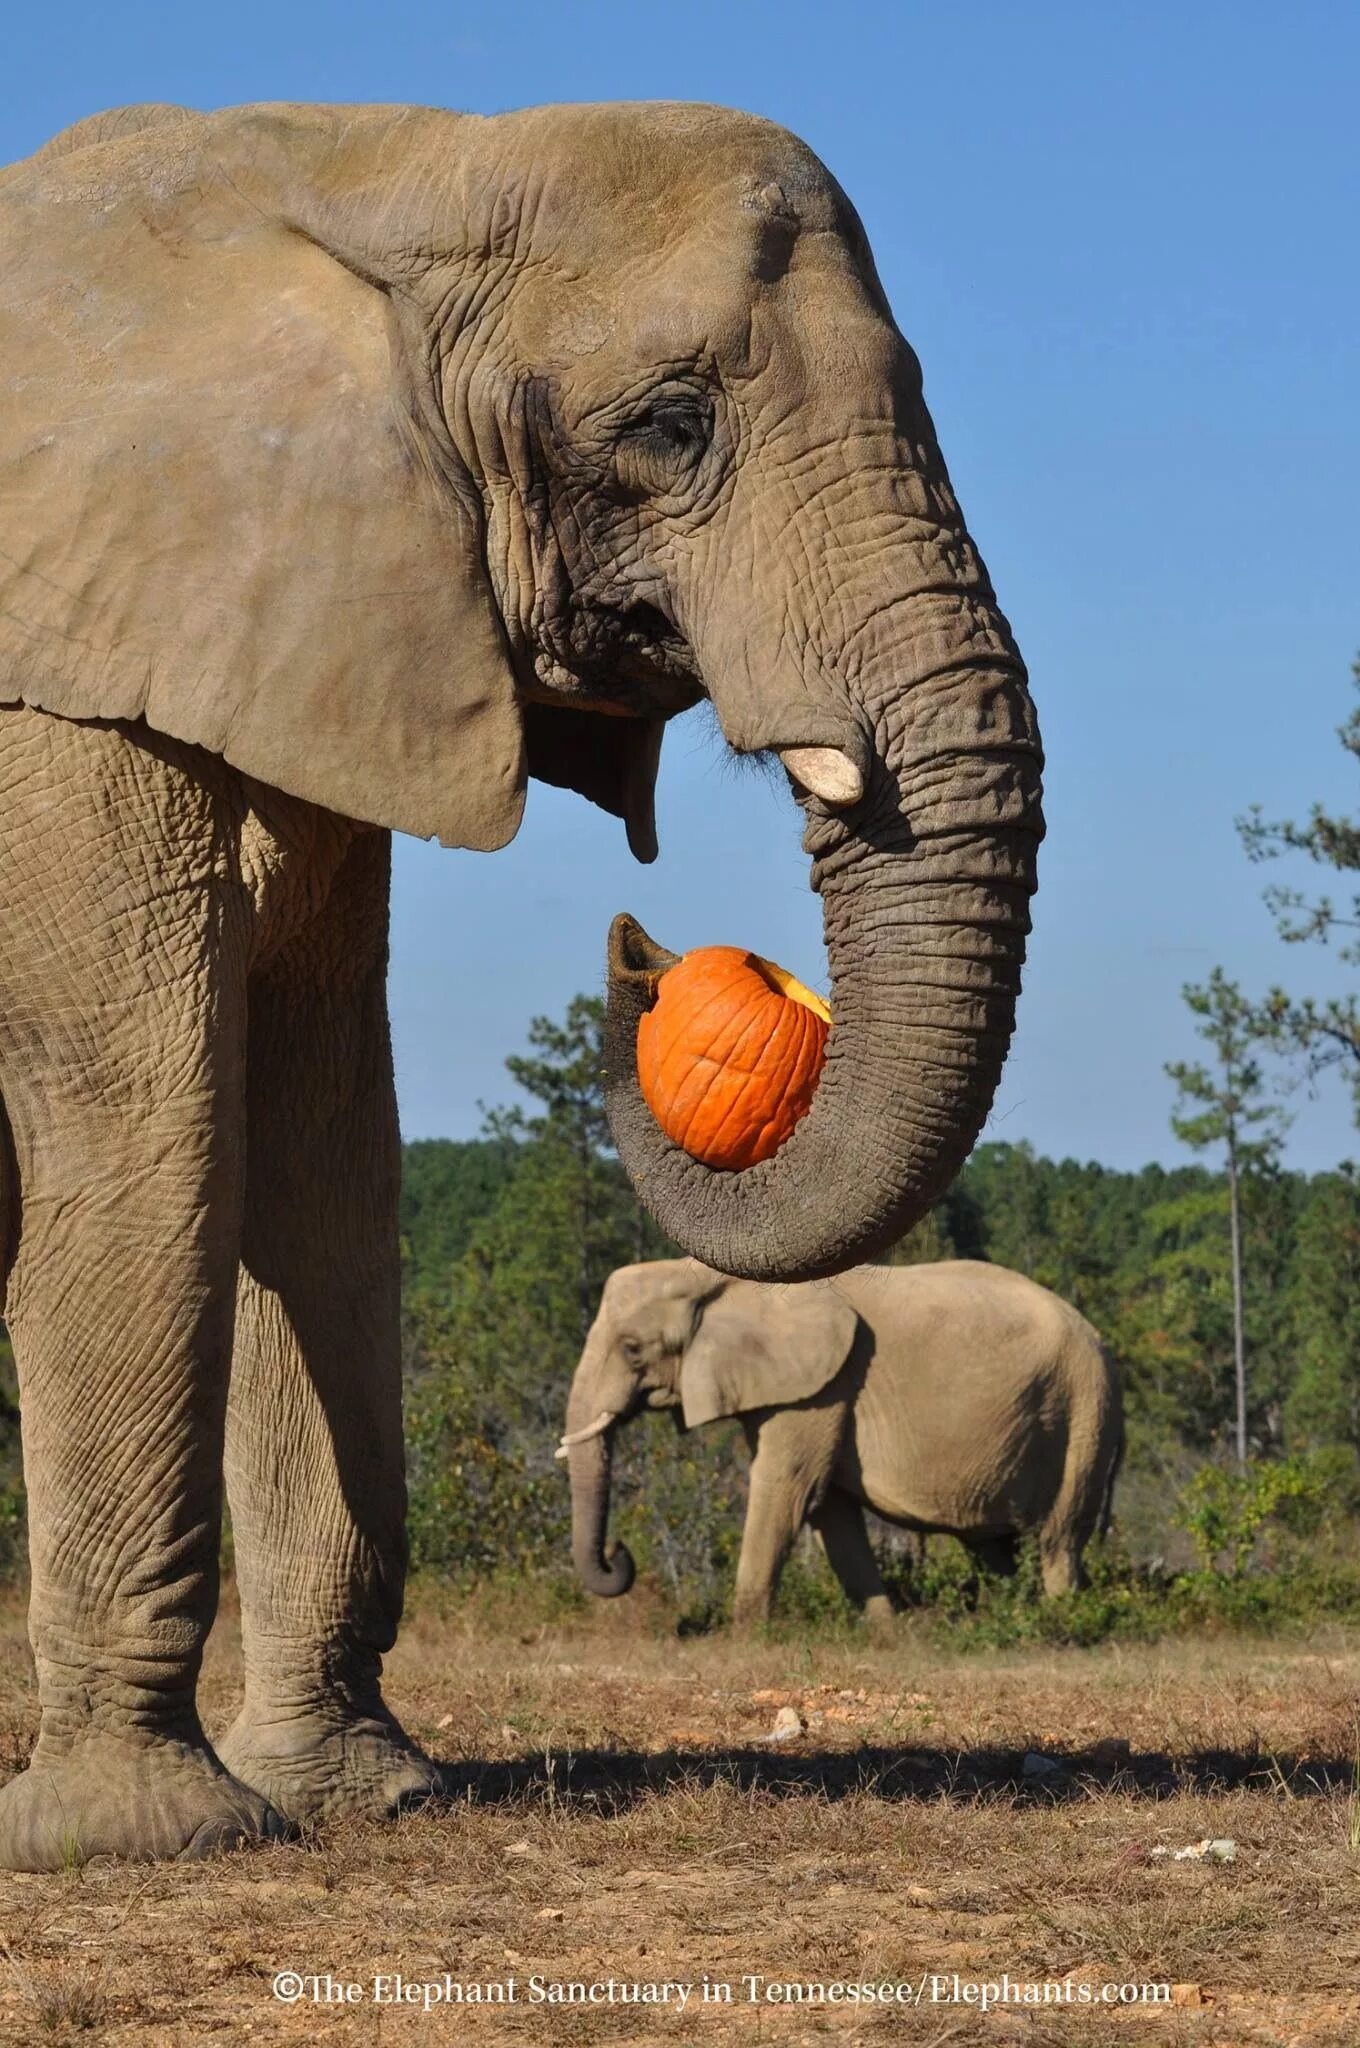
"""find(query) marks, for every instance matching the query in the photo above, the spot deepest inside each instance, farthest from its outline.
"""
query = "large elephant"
(959, 1397)
(357, 464)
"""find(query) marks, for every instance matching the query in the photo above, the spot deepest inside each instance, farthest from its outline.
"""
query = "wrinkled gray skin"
(958, 1397)
(357, 464)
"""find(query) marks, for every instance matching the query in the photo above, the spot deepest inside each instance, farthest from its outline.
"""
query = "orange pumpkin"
(729, 1055)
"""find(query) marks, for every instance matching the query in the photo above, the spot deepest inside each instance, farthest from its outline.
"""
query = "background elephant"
(958, 1397)
(357, 464)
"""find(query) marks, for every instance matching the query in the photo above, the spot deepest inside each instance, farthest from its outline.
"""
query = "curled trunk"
(925, 889)
(588, 1465)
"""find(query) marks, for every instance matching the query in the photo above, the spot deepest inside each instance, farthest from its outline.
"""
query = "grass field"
(620, 1812)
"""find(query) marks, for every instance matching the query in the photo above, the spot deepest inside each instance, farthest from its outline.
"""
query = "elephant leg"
(122, 980)
(839, 1522)
(1059, 1563)
(315, 1476)
(997, 1554)
(793, 1452)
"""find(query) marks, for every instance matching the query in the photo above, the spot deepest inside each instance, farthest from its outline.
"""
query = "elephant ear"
(759, 1346)
(229, 505)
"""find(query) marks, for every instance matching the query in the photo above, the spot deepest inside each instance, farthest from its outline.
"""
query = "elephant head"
(674, 1334)
(397, 456)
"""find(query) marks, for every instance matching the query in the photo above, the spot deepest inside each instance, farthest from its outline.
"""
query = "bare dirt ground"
(620, 1813)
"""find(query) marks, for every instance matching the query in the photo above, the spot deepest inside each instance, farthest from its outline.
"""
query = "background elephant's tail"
(1116, 1463)
(9, 1205)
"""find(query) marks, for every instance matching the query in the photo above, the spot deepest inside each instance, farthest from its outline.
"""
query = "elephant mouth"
(615, 654)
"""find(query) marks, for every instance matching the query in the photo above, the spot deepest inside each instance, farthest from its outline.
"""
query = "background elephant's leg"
(793, 1453)
(1082, 1503)
(998, 1554)
(1059, 1561)
(839, 1522)
(314, 1443)
(121, 1020)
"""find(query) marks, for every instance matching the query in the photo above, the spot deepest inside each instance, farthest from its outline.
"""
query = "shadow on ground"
(612, 1781)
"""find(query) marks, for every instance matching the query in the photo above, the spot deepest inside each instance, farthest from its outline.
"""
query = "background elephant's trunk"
(925, 888)
(588, 1466)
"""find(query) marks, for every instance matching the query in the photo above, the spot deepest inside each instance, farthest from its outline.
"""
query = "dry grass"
(618, 1813)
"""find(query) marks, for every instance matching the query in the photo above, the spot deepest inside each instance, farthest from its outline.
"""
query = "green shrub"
(1224, 1513)
(810, 1596)
(1313, 1575)
(476, 1510)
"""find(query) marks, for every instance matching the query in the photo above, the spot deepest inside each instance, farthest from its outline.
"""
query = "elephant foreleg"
(314, 1443)
(839, 1522)
(122, 983)
(773, 1519)
(793, 1453)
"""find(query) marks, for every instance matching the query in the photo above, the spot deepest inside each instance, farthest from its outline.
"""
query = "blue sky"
(1122, 241)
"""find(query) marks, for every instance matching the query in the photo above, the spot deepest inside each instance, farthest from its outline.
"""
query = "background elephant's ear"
(760, 1346)
(228, 504)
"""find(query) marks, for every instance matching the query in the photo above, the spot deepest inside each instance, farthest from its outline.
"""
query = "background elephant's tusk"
(825, 772)
(581, 1436)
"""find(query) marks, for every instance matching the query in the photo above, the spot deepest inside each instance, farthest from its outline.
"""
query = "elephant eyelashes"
(659, 450)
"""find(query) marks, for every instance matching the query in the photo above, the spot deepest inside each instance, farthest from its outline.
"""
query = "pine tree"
(1229, 1109)
(1321, 1033)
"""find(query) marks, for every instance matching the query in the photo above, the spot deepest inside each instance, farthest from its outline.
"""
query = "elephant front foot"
(142, 1799)
(316, 1764)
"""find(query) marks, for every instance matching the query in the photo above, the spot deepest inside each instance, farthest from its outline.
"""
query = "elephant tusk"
(825, 772)
(582, 1436)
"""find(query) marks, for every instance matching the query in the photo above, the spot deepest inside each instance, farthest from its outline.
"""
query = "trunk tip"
(634, 956)
(612, 1575)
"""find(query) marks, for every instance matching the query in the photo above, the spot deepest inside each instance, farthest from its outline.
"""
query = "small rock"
(1189, 1994)
(550, 1913)
(444, 1721)
(1037, 1765)
(1221, 1851)
(788, 1726)
(517, 1849)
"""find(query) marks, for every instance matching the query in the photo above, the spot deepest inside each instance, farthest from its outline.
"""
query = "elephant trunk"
(588, 1465)
(925, 886)
(589, 1458)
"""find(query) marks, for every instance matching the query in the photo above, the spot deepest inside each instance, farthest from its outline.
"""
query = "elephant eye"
(661, 446)
(631, 1350)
